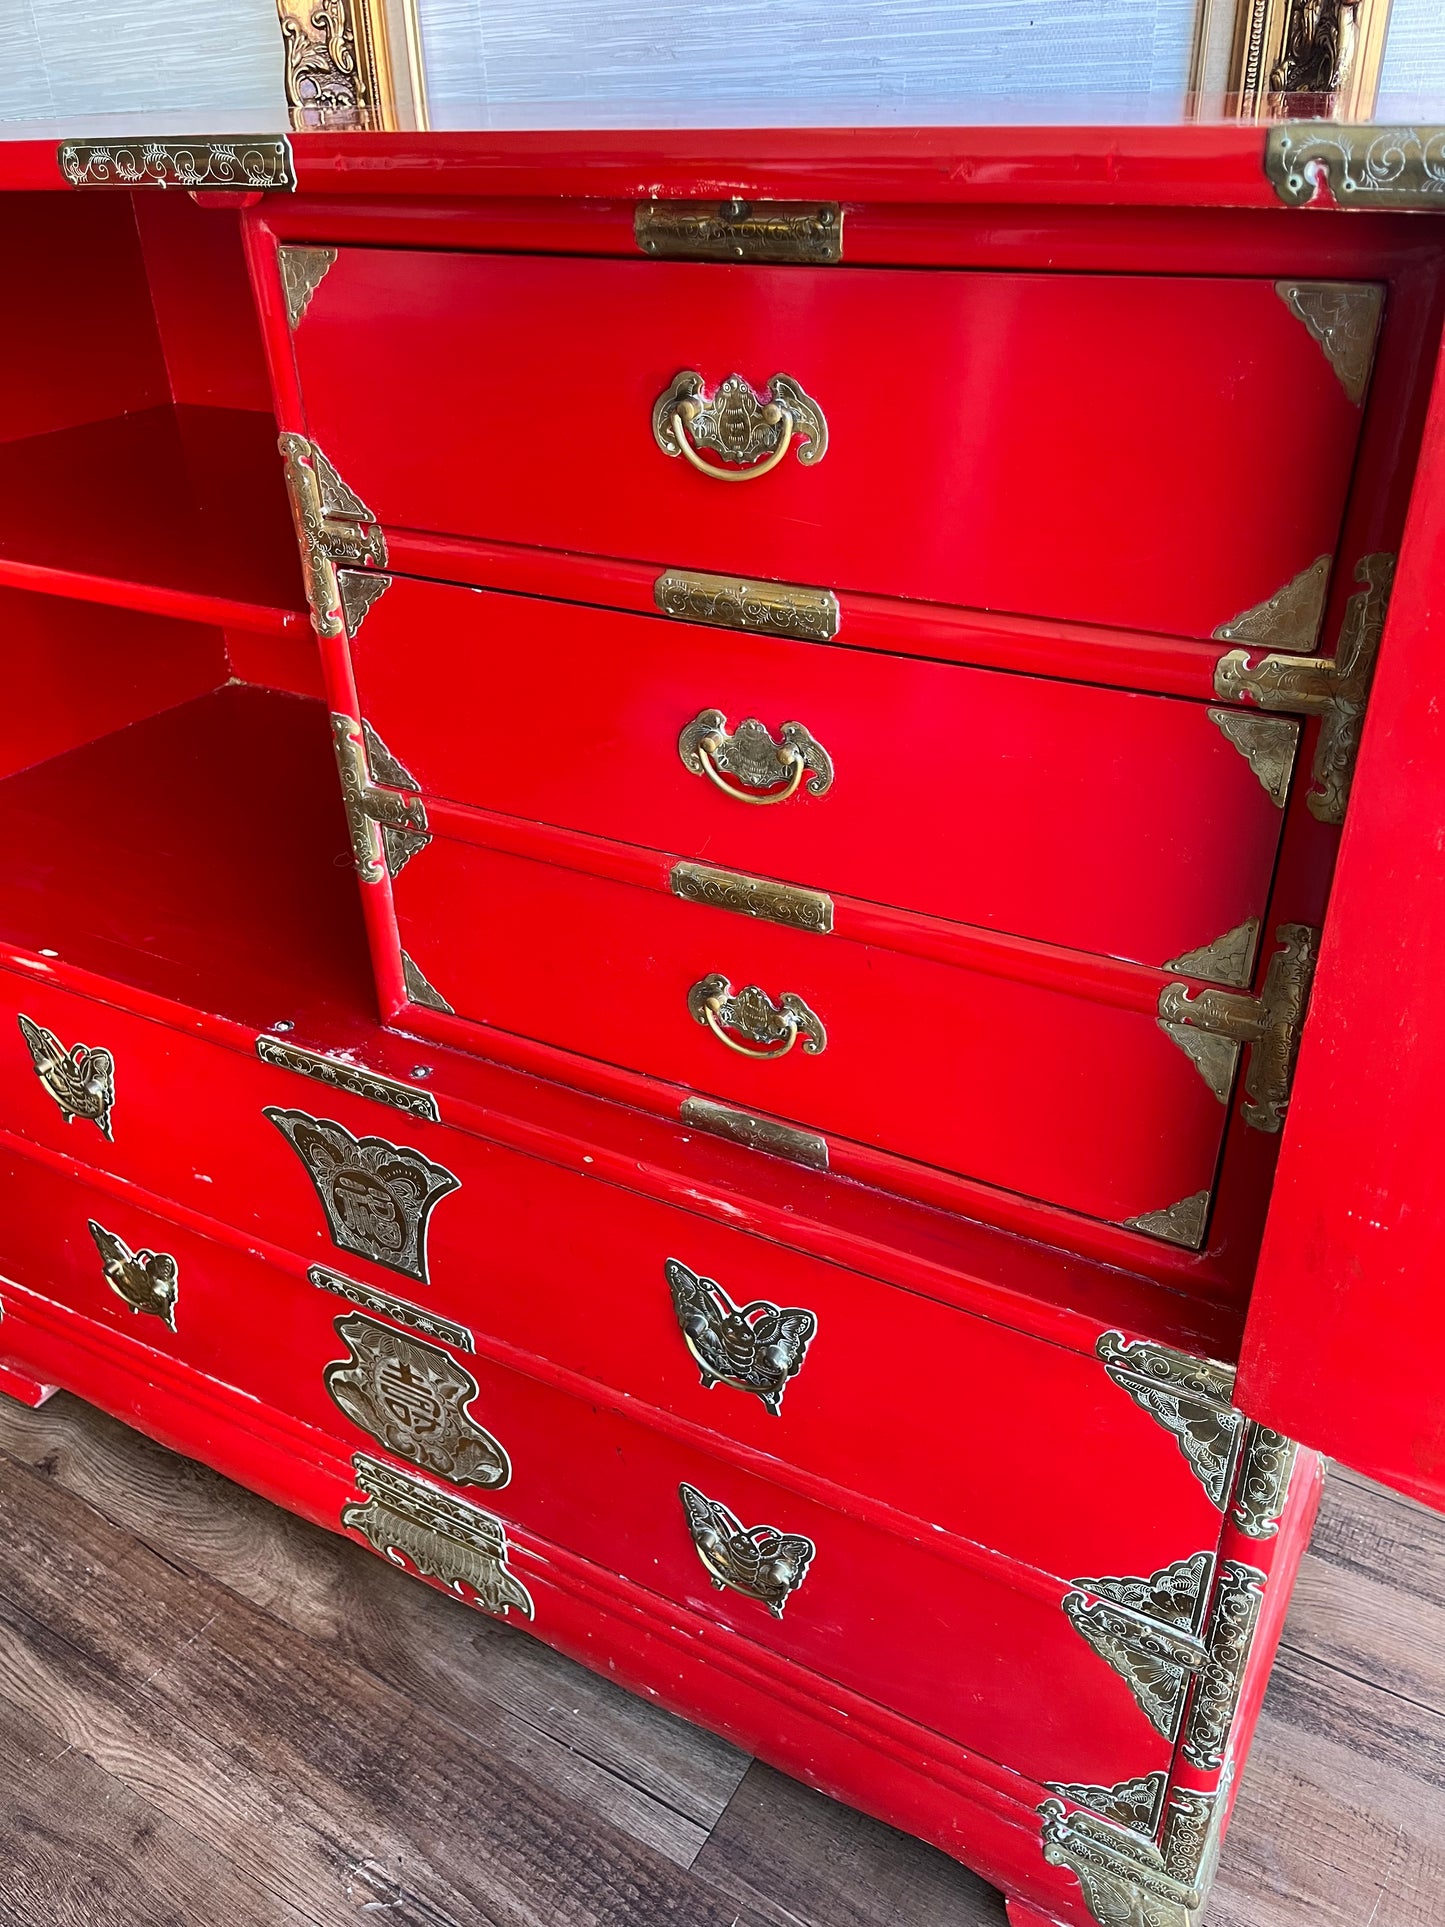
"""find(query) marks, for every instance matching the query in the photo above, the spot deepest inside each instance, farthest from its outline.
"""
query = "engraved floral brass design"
(1290, 619)
(1364, 166)
(755, 1347)
(386, 829)
(1147, 1630)
(442, 1537)
(1264, 1480)
(1180, 1224)
(148, 1281)
(756, 1133)
(377, 1196)
(1189, 1397)
(749, 432)
(1136, 1804)
(1334, 688)
(770, 1029)
(249, 163)
(399, 1310)
(757, 1561)
(1123, 1877)
(1235, 1615)
(1228, 960)
(411, 1397)
(795, 231)
(1267, 743)
(1344, 318)
(355, 1079)
(733, 602)
(785, 903)
(753, 758)
(334, 528)
(302, 272)
(81, 1080)
(1269, 1023)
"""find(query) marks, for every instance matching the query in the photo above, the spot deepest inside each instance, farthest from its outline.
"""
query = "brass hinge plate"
(736, 602)
(1334, 688)
(387, 829)
(801, 233)
(400, 1311)
(758, 1133)
(1366, 167)
(336, 530)
(233, 164)
(355, 1079)
(1211, 1025)
(786, 903)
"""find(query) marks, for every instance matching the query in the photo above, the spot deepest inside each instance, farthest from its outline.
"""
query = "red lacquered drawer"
(960, 1647)
(1102, 447)
(1090, 817)
(1044, 1090)
(570, 1269)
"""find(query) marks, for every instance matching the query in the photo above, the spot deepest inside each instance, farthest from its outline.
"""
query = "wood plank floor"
(210, 1712)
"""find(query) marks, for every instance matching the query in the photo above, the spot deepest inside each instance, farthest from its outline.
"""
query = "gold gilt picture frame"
(353, 65)
(1288, 59)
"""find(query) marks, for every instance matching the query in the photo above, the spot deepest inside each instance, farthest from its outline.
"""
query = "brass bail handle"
(770, 1029)
(774, 416)
(708, 748)
(755, 759)
(747, 433)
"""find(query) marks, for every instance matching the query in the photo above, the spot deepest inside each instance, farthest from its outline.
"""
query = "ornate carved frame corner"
(353, 66)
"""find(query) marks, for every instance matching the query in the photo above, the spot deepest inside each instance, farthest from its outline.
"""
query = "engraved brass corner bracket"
(302, 270)
(387, 829)
(1334, 688)
(1344, 318)
(1243, 1467)
(1180, 1640)
(335, 529)
(1210, 1026)
(1128, 1880)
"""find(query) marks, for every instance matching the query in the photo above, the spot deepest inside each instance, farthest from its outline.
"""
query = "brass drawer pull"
(754, 1348)
(749, 431)
(772, 1028)
(758, 1561)
(750, 754)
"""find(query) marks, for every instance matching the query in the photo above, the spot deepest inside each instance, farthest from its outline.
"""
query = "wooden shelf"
(200, 855)
(176, 511)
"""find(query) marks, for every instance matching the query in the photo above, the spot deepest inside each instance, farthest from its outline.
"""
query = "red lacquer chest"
(758, 993)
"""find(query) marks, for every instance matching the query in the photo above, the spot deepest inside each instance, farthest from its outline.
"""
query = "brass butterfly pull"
(771, 1029)
(758, 1561)
(754, 1348)
(753, 759)
(749, 432)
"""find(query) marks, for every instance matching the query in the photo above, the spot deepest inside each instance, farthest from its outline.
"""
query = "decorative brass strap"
(742, 602)
(756, 1133)
(751, 756)
(245, 163)
(771, 1030)
(1210, 1025)
(1365, 166)
(356, 1079)
(1334, 688)
(749, 431)
(786, 903)
(794, 231)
